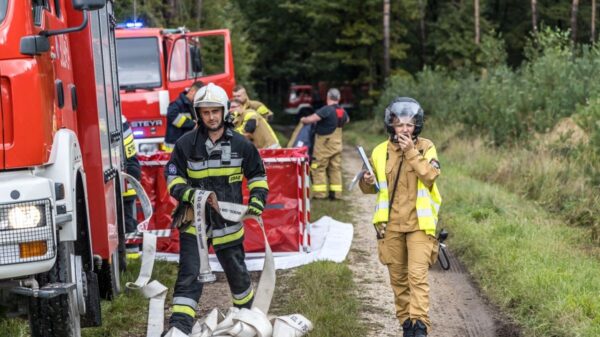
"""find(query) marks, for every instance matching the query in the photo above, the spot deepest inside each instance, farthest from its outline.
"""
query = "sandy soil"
(457, 308)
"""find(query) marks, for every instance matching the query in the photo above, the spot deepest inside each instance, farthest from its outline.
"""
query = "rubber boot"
(407, 328)
(420, 330)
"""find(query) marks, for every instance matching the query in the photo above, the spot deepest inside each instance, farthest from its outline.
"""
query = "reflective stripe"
(214, 172)
(212, 163)
(335, 188)
(422, 193)
(174, 180)
(127, 132)
(261, 178)
(180, 120)
(237, 300)
(255, 184)
(424, 213)
(257, 201)
(185, 301)
(319, 188)
(228, 238)
(314, 166)
(128, 139)
(382, 184)
(226, 231)
(186, 194)
(382, 205)
(184, 309)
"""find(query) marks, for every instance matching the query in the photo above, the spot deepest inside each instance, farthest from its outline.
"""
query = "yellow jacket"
(417, 198)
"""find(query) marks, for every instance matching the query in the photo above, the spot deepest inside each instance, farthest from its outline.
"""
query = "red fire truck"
(304, 99)
(60, 160)
(156, 65)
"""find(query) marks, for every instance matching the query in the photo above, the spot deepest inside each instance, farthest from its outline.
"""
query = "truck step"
(49, 290)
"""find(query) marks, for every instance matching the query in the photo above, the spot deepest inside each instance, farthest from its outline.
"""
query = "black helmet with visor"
(404, 108)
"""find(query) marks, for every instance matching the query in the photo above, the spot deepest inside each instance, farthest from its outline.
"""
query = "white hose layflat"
(237, 322)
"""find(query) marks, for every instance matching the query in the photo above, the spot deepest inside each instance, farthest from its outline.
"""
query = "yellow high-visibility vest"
(428, 200)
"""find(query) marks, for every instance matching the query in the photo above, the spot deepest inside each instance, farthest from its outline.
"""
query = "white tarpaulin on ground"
(330, 241)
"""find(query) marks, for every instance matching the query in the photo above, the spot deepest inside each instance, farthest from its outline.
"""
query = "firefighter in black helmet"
(213, 158)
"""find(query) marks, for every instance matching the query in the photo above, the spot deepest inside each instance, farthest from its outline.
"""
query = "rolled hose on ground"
(237, 322)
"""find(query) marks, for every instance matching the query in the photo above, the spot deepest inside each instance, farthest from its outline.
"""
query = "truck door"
(109, 125)
(205, 56)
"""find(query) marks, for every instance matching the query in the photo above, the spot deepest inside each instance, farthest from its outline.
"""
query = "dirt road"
(457, 309)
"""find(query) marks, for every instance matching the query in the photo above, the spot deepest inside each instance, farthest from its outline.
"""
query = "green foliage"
(537, 269)
(503, 104)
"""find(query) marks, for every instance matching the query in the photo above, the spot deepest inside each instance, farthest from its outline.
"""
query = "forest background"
(522, 76)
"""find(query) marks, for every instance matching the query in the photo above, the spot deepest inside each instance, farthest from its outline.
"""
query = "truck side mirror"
(88, 5)
(34, 45)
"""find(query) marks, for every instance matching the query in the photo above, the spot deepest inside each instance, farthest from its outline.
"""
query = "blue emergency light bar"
(131, 24)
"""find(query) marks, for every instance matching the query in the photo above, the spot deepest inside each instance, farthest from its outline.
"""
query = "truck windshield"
(138, 62)
(3, 4)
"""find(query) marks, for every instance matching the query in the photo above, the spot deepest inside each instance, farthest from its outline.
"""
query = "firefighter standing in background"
(239, 93)
(406, 168)
(180, 116)
(253, 126)
(213, 158)
(327, 151)
(132, 167)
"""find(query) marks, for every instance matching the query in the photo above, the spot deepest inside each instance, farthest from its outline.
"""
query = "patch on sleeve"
(435, 163)
(172, 170)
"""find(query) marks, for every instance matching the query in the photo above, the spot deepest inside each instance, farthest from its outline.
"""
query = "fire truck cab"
(60, 161)
(156, 65)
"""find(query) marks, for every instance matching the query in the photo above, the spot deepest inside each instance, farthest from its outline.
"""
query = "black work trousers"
(188, 288)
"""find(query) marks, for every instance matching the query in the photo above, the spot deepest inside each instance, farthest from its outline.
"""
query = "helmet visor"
(404, 110)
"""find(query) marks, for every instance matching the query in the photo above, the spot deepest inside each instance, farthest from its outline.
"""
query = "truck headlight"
(24, 215)
(148, 148)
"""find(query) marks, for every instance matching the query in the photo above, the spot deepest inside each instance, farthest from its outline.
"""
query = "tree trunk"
(199, 13)
(534, 16)
(477, 30)
(593, 30)
(386, 38)
(422, 6)
(574, 8)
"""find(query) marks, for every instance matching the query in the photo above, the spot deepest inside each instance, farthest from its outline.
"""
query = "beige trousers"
(327, 165)
(408, 257)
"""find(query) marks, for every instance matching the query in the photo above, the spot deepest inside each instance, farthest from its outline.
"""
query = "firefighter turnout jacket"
(417, 199)
(180, 119)
(132, 165)
(198, 163)
(260, 108)
(260, 132)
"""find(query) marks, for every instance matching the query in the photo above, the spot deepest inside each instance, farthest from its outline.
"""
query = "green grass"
(528, 262)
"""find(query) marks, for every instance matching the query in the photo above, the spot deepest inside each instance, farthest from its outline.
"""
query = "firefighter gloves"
(255, 206)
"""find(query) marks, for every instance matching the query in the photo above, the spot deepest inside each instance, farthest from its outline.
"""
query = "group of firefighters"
(214, 142)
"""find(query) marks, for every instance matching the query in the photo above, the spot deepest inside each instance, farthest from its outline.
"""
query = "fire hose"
(236, 322)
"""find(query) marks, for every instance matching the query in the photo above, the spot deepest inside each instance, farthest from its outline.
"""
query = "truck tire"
(58, 316)
(93, 311)
(109, 277)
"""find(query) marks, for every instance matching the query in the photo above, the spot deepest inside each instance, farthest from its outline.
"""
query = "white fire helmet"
(212, 95)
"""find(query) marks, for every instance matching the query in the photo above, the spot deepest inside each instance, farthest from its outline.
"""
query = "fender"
(64, 165)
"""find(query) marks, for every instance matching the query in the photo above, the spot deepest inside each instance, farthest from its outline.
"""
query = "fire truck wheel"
(92, 315)
(109, 277)
(58, 316)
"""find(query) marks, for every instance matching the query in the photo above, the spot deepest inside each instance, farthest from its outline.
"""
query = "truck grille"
(26, 232)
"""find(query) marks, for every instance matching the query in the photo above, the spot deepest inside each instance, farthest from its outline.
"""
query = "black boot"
(407, 328)
(420, 330)
(331, 195)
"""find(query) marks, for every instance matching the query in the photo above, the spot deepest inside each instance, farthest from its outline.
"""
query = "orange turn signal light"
(32, 249)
